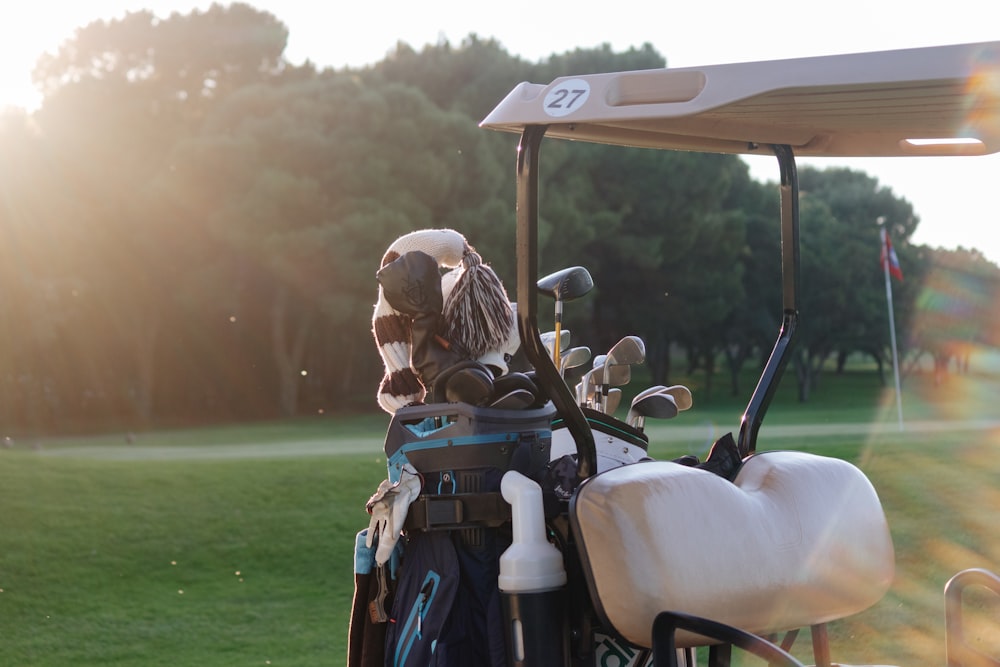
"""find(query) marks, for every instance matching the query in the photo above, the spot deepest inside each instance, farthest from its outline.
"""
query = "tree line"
(190, 228)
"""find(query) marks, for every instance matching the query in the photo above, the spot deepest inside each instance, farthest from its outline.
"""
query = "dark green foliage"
(190, 227)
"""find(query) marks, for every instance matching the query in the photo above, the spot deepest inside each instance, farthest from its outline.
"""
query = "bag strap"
(456, 511)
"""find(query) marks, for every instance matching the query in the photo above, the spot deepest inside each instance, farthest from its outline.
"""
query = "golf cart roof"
(942, 100)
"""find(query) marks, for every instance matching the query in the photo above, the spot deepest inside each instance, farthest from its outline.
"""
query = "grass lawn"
(219, 562)
(233, 546)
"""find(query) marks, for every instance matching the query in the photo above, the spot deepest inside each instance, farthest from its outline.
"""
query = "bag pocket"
(424, 600)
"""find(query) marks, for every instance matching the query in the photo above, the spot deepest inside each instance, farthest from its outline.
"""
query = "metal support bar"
(547, 375)
(957, 652)
(667, 623)
(768, 383)
(821, 645)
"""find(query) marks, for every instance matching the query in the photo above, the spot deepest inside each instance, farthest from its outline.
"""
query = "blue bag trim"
(421, 607)
(364, 556)
(399, 458)
(426, 427)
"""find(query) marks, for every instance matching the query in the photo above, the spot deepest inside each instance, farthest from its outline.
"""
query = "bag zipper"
(413, 628)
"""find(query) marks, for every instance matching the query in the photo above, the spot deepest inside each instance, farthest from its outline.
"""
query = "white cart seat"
(797, 539)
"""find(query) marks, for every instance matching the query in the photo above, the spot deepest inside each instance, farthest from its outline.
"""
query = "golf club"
(564, 285)
(681, 395)
(657, 405)
(612, 400)
(574, 357)
(584, 389)
(629, 350)
(548, 339)
(596, 382)
(655, 389)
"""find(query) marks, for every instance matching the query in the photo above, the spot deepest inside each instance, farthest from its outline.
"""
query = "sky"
(955, 198)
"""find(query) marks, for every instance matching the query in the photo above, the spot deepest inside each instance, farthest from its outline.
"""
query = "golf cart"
(792, 540)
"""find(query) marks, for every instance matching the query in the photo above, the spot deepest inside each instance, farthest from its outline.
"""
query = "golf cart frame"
(915, 102)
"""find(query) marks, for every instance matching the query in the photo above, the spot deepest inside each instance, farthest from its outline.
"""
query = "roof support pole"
(549, 380)
(768, 383)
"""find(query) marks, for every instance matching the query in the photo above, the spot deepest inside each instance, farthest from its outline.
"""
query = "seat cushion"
(795, 540)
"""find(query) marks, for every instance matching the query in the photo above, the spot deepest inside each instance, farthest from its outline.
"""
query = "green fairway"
(233, 545)
(178, 562)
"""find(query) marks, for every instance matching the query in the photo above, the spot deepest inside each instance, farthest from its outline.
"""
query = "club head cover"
(505, 384)
(465, 382)
(723, 458)
(412, 284)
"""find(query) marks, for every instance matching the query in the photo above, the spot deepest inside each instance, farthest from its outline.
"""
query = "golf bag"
(446, 608)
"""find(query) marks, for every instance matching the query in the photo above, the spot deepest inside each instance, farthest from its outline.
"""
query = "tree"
(843, 302)
(597, 60)
(179, 63)
(117, 99)
(955, 310)
(755, 319)
(646, 224)
(469, 78)
(826, 292)
(311, 181)
(36, 278)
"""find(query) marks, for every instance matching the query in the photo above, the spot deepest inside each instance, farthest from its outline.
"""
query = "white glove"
(388, 507)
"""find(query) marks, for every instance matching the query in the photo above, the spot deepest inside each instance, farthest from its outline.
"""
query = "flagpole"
(892, 325)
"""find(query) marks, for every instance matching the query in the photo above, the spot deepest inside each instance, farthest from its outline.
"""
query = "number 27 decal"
(566, 98)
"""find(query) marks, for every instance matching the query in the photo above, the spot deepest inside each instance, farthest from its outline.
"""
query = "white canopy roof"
(942, 100)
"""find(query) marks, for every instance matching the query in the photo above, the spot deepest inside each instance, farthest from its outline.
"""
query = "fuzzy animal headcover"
(478, 316)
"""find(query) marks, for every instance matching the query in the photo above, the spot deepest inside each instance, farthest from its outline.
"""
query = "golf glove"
(388, 507)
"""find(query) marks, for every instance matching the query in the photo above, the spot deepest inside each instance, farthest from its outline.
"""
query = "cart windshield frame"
(929, 101)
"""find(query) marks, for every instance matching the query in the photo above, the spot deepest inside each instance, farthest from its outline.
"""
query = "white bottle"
(532, 580)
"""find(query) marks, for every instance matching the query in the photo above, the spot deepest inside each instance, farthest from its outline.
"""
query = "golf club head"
(548, 339)
(585, 389)
(578, 391)
(657, 405)
(575, 357)
(591, 386)
(629, 350)
(566, 284)
(612, 400)
(681, 396)
(612, 376)
(589, 381)
(602, 379)
(655, 389)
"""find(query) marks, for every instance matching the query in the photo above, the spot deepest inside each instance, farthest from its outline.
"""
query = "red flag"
(889, 255)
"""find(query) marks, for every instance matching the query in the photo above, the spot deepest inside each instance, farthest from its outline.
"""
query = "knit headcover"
(478, 316)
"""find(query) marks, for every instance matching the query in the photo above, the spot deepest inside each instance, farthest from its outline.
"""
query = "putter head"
(566, 284)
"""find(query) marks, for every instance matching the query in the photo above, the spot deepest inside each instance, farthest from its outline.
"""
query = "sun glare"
(22, 43)
(15, 85)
